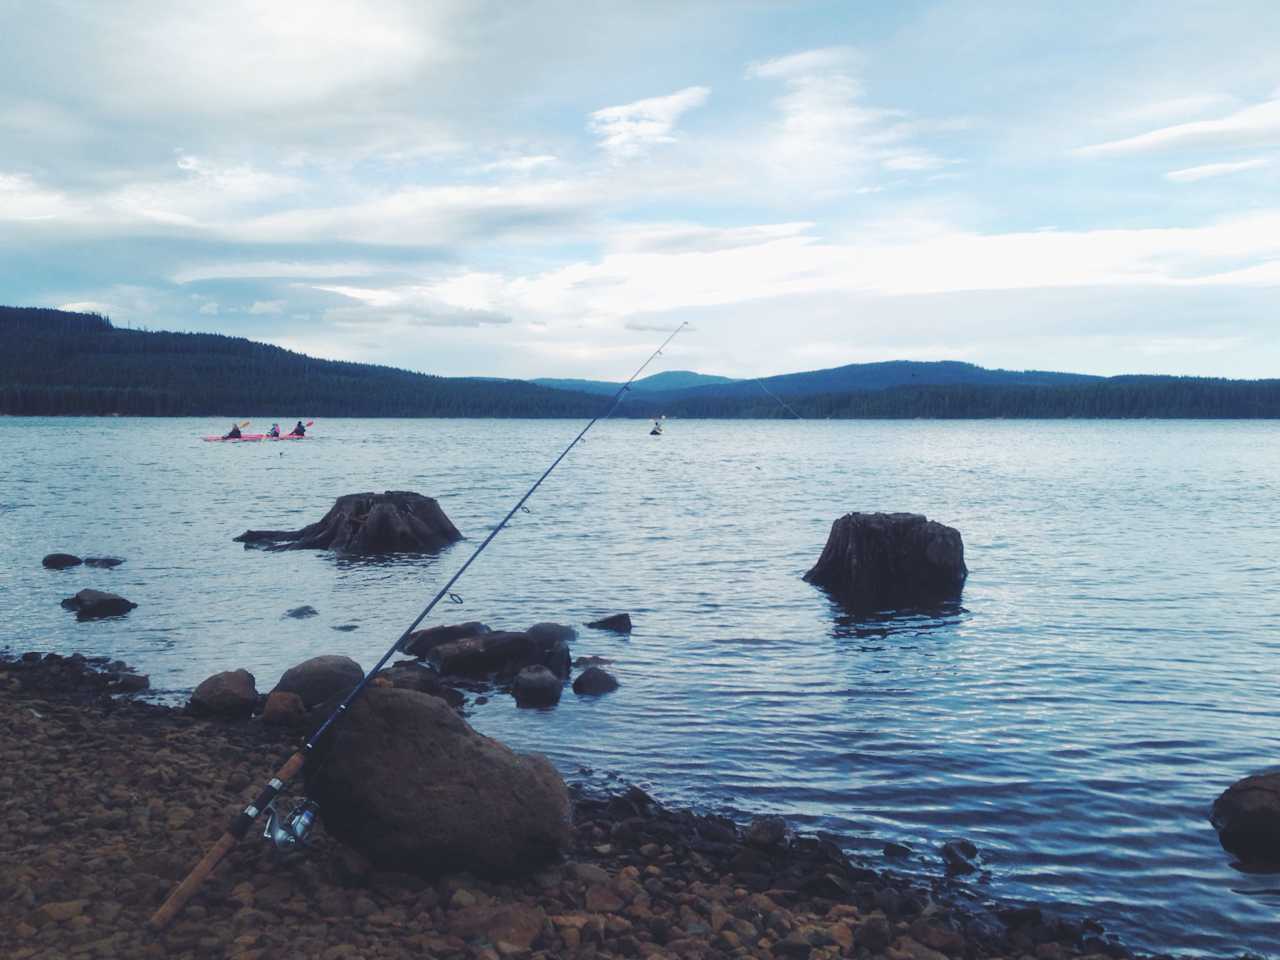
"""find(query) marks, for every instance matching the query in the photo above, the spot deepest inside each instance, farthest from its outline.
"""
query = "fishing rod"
(265, 799)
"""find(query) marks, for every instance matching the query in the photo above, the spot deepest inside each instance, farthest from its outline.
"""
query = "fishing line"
(240, 825)
(778, 398)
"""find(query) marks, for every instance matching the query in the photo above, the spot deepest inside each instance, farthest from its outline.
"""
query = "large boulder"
(409, 784)
(876, 561)
(422, 642)
(1247, 818)
(413, 675)
(60, 561)
(232, 695)
(96, 604)
(320, 679)
(502, 654)
(536, 687)
(397, 521)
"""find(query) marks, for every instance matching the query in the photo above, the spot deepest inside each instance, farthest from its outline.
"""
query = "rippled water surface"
(1111, 669)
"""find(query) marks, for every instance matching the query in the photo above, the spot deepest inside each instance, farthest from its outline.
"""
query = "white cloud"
(21, 198)
(86, 306)
(525, 164)
(210, 308)
(1205, 171)
(827, 138)
(274, 270)
(267, 307)
(628, 130)
(1252, 126)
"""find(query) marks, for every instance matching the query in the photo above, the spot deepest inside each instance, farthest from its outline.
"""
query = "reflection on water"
(1110, 670)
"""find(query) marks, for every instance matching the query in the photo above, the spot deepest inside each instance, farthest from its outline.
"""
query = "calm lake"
(1111, 669)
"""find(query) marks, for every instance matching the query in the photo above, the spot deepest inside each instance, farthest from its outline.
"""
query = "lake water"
(1112, 667)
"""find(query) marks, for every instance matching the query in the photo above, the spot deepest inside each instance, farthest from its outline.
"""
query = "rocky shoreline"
(109, 800)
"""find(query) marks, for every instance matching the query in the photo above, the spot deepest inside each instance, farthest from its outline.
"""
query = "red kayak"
(249, 437)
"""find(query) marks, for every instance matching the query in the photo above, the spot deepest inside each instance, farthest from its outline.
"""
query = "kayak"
(249, 438)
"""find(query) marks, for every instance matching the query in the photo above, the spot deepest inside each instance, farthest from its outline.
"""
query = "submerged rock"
(537, 687)
(409, 784)
(1247, 818)
(103, 562)
(502, 653)
(422, 642)
(397, 521)
(593, 682)
(321, 678)
(96, 604)
(618, 623)
(60, 561)
(959, 856)
(231, 695)
(301, 613)
(883, 560)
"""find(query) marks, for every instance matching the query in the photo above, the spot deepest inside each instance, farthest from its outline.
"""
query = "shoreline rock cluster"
(111, 800)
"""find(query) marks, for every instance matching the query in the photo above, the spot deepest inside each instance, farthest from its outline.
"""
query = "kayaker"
(274, 431)
(299, 430)
(233, 433)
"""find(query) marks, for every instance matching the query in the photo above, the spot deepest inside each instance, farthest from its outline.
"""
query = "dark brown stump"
(879, 561)
(368, 523)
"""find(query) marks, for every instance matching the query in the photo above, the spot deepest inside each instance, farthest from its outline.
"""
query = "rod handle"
(187, 889)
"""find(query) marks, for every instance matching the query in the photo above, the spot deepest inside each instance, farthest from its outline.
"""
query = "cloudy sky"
(540, 188)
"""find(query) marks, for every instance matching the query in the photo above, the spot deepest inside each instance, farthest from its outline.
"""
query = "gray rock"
(320, 679)
(96, 604)
(421, 642)
(618, 623)
(959, 856)
(537, 687)
(231, 695)
(103, 562)
(593, 682)
(549, 633)
(412, 675)
(411, 786)
(765, 832)
(877, 561)
(60, 561)
(1247, 818)
(301, 613)
(502, 653)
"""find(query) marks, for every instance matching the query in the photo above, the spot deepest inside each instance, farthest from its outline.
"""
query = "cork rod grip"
(239, 826)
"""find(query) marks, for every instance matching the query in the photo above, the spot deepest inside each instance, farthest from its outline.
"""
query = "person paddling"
(274, 432)
(233, 433)
(299, 430)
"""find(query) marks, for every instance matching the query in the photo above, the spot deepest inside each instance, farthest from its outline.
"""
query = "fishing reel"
(290, 831)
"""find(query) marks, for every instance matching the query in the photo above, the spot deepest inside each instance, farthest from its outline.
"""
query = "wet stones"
(1247, 818)
(284, 710)
(230, 695)
(302, 613)
(960, 857)
(365, 524)
(594, 682)
(96, 604)
(420, 643)
(877, 561)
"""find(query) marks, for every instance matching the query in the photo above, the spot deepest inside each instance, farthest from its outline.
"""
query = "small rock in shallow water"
(1247, 818)
(896, 850)
(96, 604)
(536, 687)
(347, 627)
(60, 561)
(767, 832)
(593, 682)
(103, 562)
(318, 679)
(618, 623)
(959, 856)
(300, 613)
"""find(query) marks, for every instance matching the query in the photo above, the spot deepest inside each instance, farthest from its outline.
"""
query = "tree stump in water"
(368, 523)
(879, 561)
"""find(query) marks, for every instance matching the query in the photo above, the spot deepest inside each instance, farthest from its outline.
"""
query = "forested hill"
(55, 362)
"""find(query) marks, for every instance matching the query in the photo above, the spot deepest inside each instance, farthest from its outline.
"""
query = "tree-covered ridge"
(56, 362)
(66, 363)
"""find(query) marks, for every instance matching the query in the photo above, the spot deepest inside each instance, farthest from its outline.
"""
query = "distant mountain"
(669, 380)
(56, 362)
